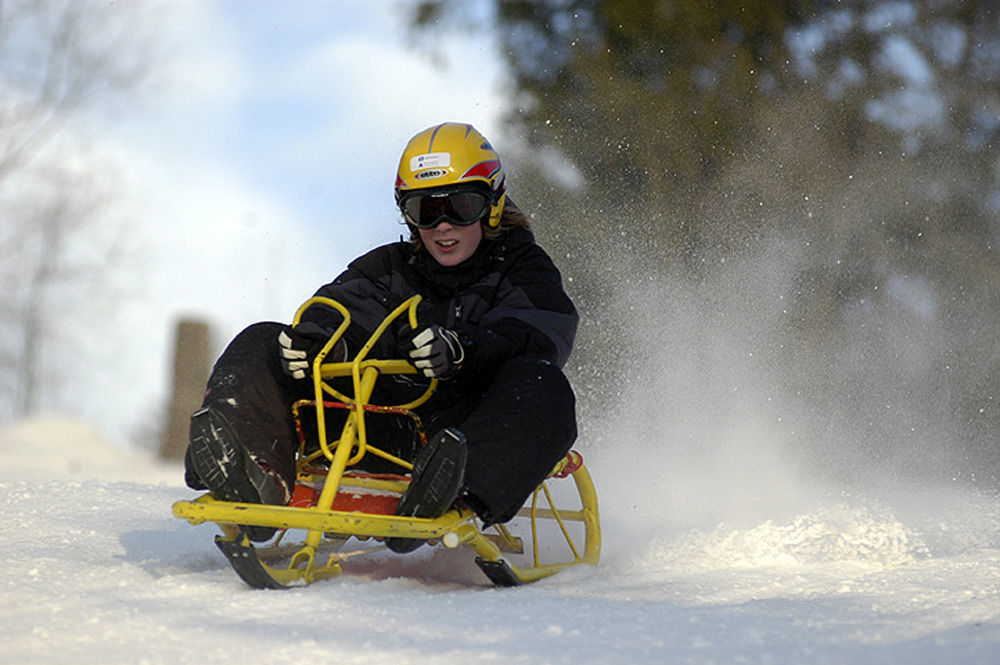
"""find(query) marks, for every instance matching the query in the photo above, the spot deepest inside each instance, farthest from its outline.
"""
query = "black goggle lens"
(425, 211)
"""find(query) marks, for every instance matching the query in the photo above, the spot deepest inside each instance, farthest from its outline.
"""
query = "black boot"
(222, 464)
(438, 473)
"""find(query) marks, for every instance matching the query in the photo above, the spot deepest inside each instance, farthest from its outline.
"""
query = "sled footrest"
(499, 572)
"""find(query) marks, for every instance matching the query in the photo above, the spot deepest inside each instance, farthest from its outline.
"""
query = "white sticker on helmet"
(430, 160)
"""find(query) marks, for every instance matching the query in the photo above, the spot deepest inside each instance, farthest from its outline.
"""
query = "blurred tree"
(647, 100)
(58, 60)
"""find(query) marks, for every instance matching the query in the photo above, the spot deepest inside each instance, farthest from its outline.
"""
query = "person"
(495, 326)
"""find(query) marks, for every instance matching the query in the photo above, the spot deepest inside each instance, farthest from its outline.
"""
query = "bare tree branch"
(59, 61)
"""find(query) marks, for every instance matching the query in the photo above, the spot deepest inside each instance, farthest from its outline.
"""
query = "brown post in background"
(191, 368)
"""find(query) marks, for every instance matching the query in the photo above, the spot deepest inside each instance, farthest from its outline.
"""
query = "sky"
(258, 162)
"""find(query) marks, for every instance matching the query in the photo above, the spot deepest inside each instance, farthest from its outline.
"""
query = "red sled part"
(351, 498)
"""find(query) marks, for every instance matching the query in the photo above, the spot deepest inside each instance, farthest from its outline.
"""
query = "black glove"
(436, 351)
(299, 346)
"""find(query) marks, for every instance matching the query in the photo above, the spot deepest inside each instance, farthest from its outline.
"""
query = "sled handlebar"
(363, 372)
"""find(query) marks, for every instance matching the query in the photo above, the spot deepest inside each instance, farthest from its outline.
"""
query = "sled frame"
(328, 525)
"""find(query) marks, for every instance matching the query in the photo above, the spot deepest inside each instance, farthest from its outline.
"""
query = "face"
(451, 244)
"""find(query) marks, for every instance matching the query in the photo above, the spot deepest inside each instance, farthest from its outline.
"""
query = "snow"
(98, 570)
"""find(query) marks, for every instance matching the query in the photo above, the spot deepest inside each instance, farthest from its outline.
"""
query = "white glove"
(437, 352)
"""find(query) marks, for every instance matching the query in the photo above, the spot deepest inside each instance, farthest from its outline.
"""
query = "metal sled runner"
(335, 503)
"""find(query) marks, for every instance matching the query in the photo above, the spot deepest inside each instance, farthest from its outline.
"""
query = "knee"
(253, 351)
(535, 370)
(259, 335)
(533, 384)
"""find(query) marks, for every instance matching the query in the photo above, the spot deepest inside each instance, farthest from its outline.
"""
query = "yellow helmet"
(454, 156)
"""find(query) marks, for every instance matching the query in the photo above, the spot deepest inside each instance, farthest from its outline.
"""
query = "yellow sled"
(334, 503)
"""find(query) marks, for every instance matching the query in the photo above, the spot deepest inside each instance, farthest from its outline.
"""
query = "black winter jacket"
(505, 300)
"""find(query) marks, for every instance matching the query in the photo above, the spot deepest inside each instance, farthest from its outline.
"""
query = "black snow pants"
(518, 423)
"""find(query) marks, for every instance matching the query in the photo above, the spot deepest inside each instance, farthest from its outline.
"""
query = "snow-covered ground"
(98, 571)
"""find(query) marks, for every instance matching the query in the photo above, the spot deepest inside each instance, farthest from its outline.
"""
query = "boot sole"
(223, 467)
(438, 474)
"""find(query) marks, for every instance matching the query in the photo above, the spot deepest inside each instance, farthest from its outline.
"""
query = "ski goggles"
(427, 208)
